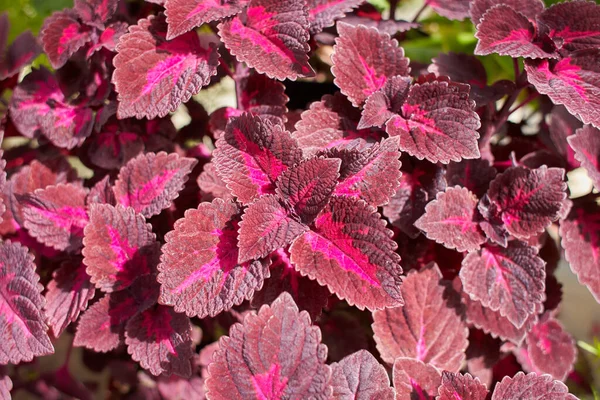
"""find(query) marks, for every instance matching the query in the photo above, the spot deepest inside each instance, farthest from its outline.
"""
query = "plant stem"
(528, 99)
(224, 65)
(420, 12)
(393, 8)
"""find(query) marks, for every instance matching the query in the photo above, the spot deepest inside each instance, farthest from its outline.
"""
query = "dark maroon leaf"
(360, 376)
(529, 8)
(456, 386)
(323, 13)
(21, 51)
(450, 219)
(482, 355)
(363, 60)
(451, 9)
(114, 146)
(150, 182)
(22, 324)
(586, 144)
(102, 192)
(272, 37)
(474, 175)
(153, 76)
(263, 96)
(274, 354)
(531, 386)
(426, 327)
(415, 380)
(351, 251)
(384, 103)
(62, 35)
(199, 271)
(573, 26)
(95, 12)
(562, 125)
(67, 295)
(509, 280)
(183, 15)
(551, 349)
(118, 247)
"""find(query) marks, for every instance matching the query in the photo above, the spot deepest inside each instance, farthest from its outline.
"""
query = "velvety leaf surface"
(150, 182)
(6, 386)
(456, 386)
(363, 60)
(323, 13)
(551, 349)
(95, 12)
(531, 386)
(360, 376)
(426, 327)
(263, 96)
(199, 271)
(211, 183)
(183, 15)
(22, 325)
(161, 340)
(586, 144)
(509, 280)
(102, 192)
(21, 52)
(62, 35)
(118, 246)
(56, 215)
(266, 226)
(153, 75)
(474, 175)
(252, 154)
(274, 354)
(175, 387)
(351, 251)
(573, 26)
(413, 379)
(450, 219)
(437, 122)
(67, 295)
(384, 103)
(451, 9)
(529, 8)
(272, 37)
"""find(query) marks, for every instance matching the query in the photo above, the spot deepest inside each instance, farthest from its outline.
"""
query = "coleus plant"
(395, 238)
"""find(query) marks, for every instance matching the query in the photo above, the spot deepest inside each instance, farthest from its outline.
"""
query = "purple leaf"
(263, 96)
(150, 182)
(529, 8)
(161, 340)
(210, 183)
(22, 324)
(456, 386)
(351, 251)
(474, 175)
(175, 387)
(274, 354)
(323, 13)
(532, 386)
(451, 9)
(118, 247)
(22, 51)
(363, 60)
(199, 271)
(252, 154)
(271, 37)
(384, 103)
(360, 376)
(573, 26)
(67, 295)
(586, 144)
(450, 219)
(153, 76)
(6, 386)
(509, 280)
(102, 193)
(95, 12)
(551, 349)
(62, 35)
(413, 379)
(114, 146)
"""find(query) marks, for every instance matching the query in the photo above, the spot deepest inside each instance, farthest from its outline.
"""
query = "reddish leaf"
(6, 386)
(118, 247)
(450, 219)
(437, 122)
(22, 324)
(274, 354)
(384, 103)
(533, 386)
(551, 349)
(474, 175)
(67, 295)
(114, 146)
(413, 379)
(360, 376)
(509, 280)
(562, 125)
(573, 26)
(272, 37)
(21, 52)
(211, 183)
(150, 182)
(456, 386)
(426, 327)
(183, 15)
(586, 144)
(252, 154)
(363, 60)
(451, 9)
(175, 387)
(323, 13)
(266, 226)
(350, 250)
(95, 12)
(308, 186)
(161, 340)
(263, 96)
(153, 76)
(62, 35)
(529, 8)
(102, 192)
(199, 273)
(56, 215)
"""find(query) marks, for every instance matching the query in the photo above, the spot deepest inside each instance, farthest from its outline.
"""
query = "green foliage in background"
(30, 14)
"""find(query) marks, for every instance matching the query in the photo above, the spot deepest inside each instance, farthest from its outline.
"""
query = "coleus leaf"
(199, 271)
(271, 37)
(263, 96)
(118, 247)
(415, 329)
(533, 386)
(437, 121)
(211, 183)
(266, 226)
(150, 182)
(153, 75)
(323, 13)
(6, 386)
(62, 35)
(95, 13)
(56, 215)
(350, 250)
(586, 144)
(360, 376)
(509, 280)
(414, 379)
(451, 9)
(529, 8)
(67, 295)
(562, 125)
(450, 219)
(114, 146)
(252, 154)
(384, 103)
(22, 325)
(274, 354)
(161, 340)
(175, 387)
(363, 60)
(183, 16)
(474, 175)
(20, 52)
(456, 386)
(102, 192)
